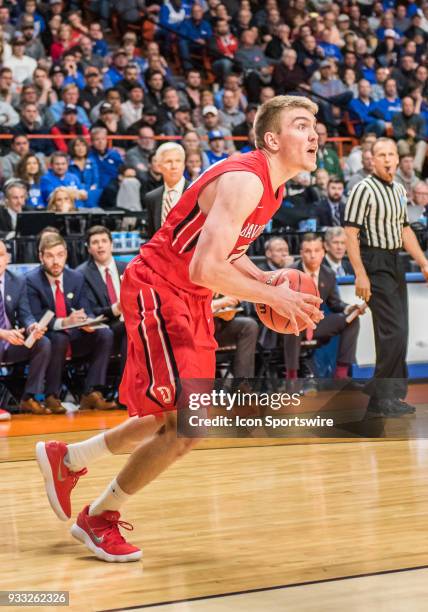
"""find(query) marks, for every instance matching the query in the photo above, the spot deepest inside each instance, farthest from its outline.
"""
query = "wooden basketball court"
(249, 525)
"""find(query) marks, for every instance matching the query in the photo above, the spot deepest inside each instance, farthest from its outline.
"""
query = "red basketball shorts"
(170, 339)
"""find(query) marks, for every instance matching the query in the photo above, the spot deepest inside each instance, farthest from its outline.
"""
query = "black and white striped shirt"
(379, 209)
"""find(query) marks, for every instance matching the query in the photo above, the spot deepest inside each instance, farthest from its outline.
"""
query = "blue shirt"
(100, 47)
(194, 31)
(213, 158)
(112, 77)
(331, 50)
(78, 80)
(361, 109)
(57, 110)
(89, 178)
(51, 181)
(388, 108)
(35, 199)
(107, 165)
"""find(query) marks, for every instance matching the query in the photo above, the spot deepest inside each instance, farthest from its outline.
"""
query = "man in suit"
(170, 158)
(277, 254)
(335, 248)
(102, 284)
(16, 321)
(330, 210)
(16, 196)
(334, 324)
(53, 286)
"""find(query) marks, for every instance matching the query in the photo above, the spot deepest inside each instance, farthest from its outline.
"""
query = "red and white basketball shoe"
(59, 479)
(4, 415)
(101, 535)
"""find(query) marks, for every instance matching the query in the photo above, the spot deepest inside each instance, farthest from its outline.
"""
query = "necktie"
(112, 295)
(61, 308)
(309, 331)
(170, 200)
(3, 322)
(336, 215)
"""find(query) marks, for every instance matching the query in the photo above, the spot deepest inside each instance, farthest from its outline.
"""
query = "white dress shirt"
(178, 189)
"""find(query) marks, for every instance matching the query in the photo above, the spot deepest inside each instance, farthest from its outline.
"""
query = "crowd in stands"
(90, 90)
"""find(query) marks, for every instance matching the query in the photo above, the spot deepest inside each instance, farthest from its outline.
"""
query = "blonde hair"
(268, 115)
(53, 195)
(50, 240)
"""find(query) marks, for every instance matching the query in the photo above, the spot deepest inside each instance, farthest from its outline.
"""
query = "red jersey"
(171, 249)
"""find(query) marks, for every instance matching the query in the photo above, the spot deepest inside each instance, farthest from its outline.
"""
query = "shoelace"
(112, 531)
(76, 475)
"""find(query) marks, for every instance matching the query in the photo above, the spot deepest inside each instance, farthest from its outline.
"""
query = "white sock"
(113, 498)
(81, 454)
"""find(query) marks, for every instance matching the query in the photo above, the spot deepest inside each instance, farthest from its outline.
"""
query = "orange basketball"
(298, 281)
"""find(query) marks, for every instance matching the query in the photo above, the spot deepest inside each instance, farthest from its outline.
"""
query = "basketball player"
(166, 300)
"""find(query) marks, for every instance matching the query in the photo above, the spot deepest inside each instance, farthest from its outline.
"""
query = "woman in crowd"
(192, 144)
(29, 171)
(193, 165)
(62, 200)
(82, 166)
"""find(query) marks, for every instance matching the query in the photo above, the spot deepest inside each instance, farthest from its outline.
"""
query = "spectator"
(44, 88)
(194, 165)
(17, 321)
(30, 124)
(59, 176)
(277, 253)
(152, 179)
(279, 43)
(195, 33)
(243, 128)
(92, 93)
(123, 192)
(225, 43)
(321, 182)
(8, 116)
(112, 101)
(29, 171)
(33, 45)
(20, 146)
(7, 88)
(363, 107)
(85, 169)
(15, 199)
(131, 77)
(330, 211)
(217, 147)
(211, 122)
(192, 144)
(68, 126)
(190, 92)
(366, 170)
(107, 160)
(406, 174)
(132, 109)
(333, 94)
(138, 156)
(22, 65)
(417, 206)
(64, 41)
(89, 60)
(233, 83)
(61, 200)
(354, 162)
(326, 155)
(409, 132)
(334, 323)
(155, 82)
(102, 284)
(170, 157)
(254, 63)
(116, 72)
(309, 55)
(69, 95)
(288, 76)
(96, 34)
(180, 122)
(48, 287)
(230, 116)
(335, 251)
(72, 72)
(390, 105)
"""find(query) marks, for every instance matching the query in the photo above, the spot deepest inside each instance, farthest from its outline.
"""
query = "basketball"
(298, 281)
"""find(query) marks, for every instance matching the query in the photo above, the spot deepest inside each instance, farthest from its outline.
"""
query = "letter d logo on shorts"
(165, 393)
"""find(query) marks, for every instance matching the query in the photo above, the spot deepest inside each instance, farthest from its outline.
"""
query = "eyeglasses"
(92, 74)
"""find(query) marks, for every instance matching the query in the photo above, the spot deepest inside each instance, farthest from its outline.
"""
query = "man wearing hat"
(68, 125)
(69, 95)
(216, 151)
(33, 45)
(116, 71)
(22, 65)
(210, 119)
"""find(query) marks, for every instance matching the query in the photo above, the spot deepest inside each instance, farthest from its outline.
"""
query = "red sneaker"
(4, 415)
(59, 479)
(100, 533)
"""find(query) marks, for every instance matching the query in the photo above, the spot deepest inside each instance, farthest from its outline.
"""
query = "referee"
(377, 228)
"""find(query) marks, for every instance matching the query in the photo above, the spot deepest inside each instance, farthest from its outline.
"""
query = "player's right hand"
(294, 305)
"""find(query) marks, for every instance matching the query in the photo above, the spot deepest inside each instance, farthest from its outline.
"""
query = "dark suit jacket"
(153, 204)
(41, 297)
(327, 287)
(16, 303)
(345, 264)
(5, 221)
(96, 289)
(324, 216)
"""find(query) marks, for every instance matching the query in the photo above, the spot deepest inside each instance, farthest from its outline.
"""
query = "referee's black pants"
(388, 304)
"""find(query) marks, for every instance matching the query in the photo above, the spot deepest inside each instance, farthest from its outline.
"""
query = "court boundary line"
(271, 588)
